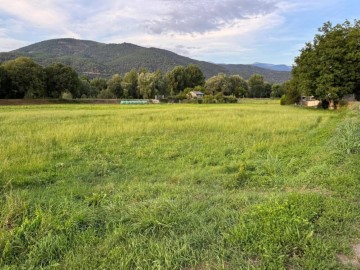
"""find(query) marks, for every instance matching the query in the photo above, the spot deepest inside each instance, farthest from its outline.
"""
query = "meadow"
(241, 186)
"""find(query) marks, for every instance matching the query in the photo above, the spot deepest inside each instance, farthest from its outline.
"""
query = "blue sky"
(220, 31)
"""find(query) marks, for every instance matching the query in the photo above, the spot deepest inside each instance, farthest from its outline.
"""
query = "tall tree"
(194, 76)
(329, 67)
(61, 78)
(115, 87)
(218, 84)
(146, 84)
(256, 86)
(97, 85)
(27, 78)
(277, 90)
(176, 80)
(4, 83)
(130, 84)
(239, 86)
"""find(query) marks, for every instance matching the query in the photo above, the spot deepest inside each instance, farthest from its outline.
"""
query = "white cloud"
(41, 14)
(204, 29)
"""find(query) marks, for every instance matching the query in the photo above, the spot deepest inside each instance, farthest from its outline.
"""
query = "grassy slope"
(252, 186)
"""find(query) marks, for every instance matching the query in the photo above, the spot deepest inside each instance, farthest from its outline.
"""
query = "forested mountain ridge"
(103, 60)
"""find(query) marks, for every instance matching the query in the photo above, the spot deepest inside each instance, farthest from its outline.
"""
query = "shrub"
(106, 93)
(283, 100)
(230, 99)
(66, 95)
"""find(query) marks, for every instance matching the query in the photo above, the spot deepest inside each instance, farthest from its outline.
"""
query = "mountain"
(273, 67)
(99, 59)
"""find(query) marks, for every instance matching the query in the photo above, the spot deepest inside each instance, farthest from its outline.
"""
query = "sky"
(218, 31)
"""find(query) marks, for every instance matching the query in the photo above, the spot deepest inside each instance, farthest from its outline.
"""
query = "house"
(196, 94)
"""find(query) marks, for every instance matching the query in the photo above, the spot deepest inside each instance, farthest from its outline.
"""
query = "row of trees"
(23, 78)
(329, 67)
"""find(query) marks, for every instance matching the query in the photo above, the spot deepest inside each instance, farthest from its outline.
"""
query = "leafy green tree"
(4, 83)
(329, 67)
(27, 78)
(160, 84)
(130, 84)
(292, 93)
(218, 84)
(239, 86)
(61, 78)
(194, 76)
(115, 87)
(85, 88)
(176, 80)
(267, 89)
(106, 94)
(277, 91)
(146, 84)
(256, 86)
(97, 85)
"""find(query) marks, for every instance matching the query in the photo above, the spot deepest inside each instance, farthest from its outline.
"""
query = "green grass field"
(244, 186)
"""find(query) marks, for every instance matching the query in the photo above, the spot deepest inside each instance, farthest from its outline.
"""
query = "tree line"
(328, 68)
(24, 78)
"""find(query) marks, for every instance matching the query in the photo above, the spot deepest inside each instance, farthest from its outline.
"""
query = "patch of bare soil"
(353, 261)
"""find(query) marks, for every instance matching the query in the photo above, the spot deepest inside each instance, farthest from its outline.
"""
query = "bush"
(283, 100)
(230, 99)
(106, 94)
(209, 99)
(66, 95)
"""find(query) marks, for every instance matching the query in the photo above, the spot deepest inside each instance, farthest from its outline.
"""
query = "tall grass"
(249, 186)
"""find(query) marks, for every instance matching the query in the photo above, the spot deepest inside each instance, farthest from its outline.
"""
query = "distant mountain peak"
(279, 67)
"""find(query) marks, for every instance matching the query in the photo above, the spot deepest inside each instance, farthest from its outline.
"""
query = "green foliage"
(66, 95)
(195, 76)
(292, 93)
(60, 78)
(283, 100)
(277, 90)
(85, 88)
(257, 86)
(4, 83)
(115, 87)
(130, 84)
(97, 85)
(176, 80)
(230, 99)
(328, 68)
(26, 78)
(106, 94)
(228, 85)
(239, 86)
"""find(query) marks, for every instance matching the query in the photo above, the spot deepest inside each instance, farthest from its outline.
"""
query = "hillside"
(273, 67)
(100, 59)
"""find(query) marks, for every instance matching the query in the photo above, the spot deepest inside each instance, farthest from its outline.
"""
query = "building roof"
(197, 92)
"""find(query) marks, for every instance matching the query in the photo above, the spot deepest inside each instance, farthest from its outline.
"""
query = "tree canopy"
(329, 67)
(27, 78)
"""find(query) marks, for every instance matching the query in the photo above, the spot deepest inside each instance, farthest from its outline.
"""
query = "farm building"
(196, 94)
(309, 101)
